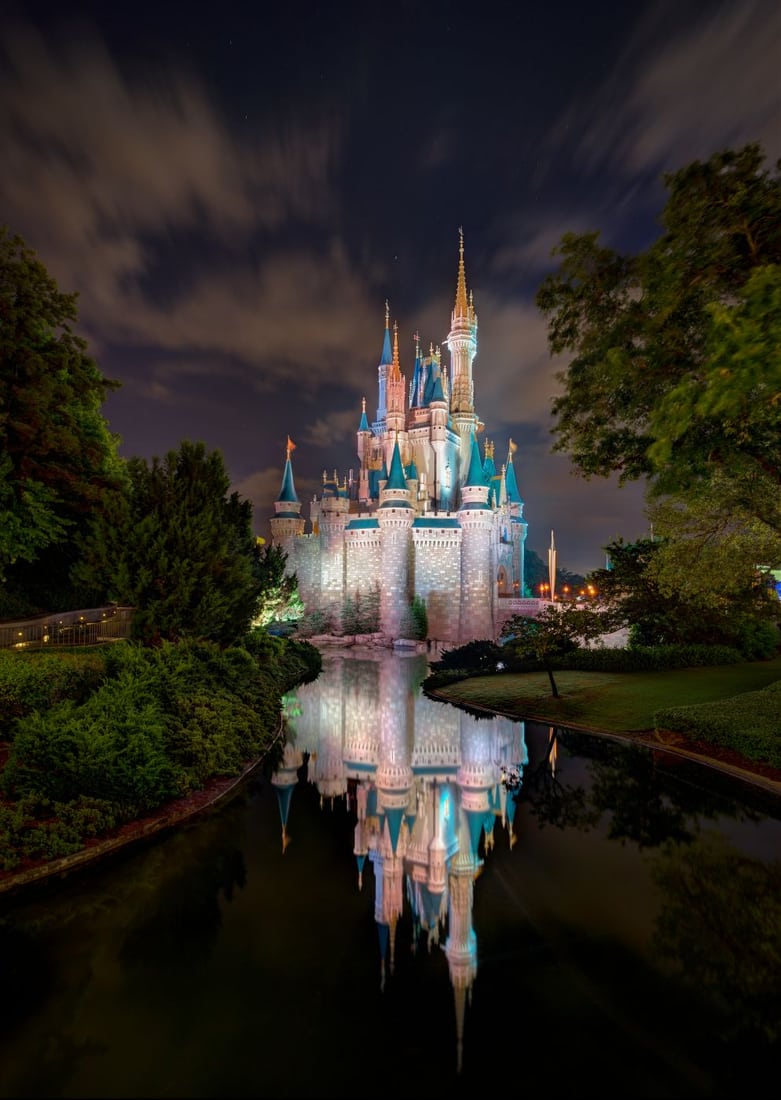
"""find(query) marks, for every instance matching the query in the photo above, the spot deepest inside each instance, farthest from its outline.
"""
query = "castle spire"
(396, 368)
(387, 355)
(363, 425)
(462, 302)
(287, 492)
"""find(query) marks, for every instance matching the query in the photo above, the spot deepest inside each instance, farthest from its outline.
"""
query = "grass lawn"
(615, 701)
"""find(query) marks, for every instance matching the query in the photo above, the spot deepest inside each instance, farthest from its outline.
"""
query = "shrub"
(36, 680)
(749, 723)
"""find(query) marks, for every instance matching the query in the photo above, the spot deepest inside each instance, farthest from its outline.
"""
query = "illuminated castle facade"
(428, 516)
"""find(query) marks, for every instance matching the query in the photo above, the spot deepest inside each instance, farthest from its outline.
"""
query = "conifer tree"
(59, 464)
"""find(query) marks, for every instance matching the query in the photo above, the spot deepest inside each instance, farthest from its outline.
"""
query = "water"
(608, 934)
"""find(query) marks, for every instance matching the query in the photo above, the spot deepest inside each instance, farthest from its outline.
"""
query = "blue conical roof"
(387, 353)
(412, 471)
(415, 387)
(437, 393)
(287, 494)
(396, 479)
(284, 797)
(511, 484)
(364, 424)
(393, 817)
(475, 474)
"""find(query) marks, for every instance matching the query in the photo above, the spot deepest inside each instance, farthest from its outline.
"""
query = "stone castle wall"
(437, 579)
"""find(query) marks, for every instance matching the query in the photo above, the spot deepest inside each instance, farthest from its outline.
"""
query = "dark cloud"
(234, 222)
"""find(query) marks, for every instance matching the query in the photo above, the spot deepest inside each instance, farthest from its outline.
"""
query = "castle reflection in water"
(425, 783)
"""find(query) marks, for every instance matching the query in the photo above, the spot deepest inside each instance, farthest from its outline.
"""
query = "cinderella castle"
(428, 515)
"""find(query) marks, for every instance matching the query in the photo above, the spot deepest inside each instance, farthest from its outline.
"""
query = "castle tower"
(395, 515)
(518, 525)
(462, 343)
(287, 521)
(477, 575)
(364, 435)
(334, 507)
(386, 362)
(395, 417)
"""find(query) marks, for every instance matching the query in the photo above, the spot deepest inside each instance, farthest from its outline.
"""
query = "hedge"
(749, 723)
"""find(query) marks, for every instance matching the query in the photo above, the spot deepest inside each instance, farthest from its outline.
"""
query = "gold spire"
(396, 371)
(387, 312)
(489, 449)
(363, 404)
(462, 303)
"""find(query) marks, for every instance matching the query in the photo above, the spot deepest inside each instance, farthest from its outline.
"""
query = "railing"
(92, 626)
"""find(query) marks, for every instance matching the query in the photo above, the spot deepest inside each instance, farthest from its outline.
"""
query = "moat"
(377, 914)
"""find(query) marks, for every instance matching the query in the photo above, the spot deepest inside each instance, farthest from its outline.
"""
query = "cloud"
(716, 84)
(101, 168)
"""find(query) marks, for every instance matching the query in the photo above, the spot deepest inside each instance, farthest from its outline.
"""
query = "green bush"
(758, 639)
(749, 723)
(659, 658)
(35, 680)
(99, 742)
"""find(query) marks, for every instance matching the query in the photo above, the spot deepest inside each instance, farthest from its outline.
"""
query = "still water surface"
(377, 915)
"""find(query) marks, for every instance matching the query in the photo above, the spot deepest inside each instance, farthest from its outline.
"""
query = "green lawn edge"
(616, 702)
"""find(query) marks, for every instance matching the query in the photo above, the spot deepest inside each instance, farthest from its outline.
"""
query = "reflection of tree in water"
(552, 802)
(647, 804)
(181, 926)
(720, 922)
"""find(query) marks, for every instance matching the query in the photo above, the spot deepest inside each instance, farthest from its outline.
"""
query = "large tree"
(181, 550)
(58, 460)
(631, 589)
(674, 370)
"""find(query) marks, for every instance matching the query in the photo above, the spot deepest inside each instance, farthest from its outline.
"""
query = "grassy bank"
(618, 702)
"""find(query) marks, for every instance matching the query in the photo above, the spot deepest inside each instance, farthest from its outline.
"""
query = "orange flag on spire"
(290, 446)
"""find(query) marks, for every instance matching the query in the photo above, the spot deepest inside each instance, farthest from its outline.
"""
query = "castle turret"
(396, 411)
(477, 575)
(395, 515)
(334, 508)
(287, 521)
(386, 361)
(518, 525)
(364, 435)
(462, 343)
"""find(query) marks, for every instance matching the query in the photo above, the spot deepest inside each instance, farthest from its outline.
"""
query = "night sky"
(235, 190)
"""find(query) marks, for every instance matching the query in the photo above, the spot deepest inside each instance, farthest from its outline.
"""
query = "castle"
(427, 516)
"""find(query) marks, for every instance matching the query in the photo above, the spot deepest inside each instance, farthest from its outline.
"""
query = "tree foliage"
(553, 633)
(279, 600)
(675, 368)
(58, 460)
(181, 550)
(640, 594)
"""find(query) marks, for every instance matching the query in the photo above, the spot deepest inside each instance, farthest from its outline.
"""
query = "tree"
(675, 352)
(182, 552)
(279, 600)
(58, 461)
(419, 618)
(553, 633)
(631, 589)
(651, 334)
